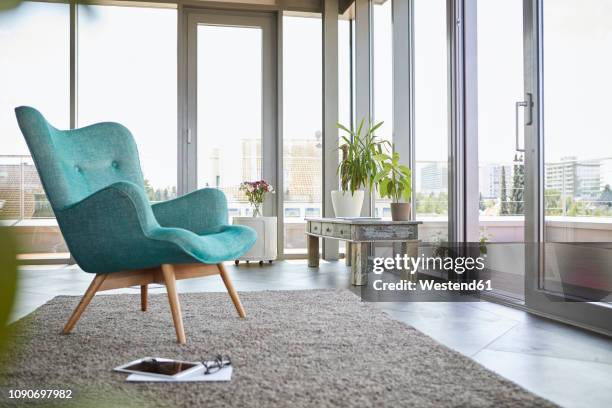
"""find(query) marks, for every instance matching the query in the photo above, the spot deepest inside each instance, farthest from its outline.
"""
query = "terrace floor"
(566, 365)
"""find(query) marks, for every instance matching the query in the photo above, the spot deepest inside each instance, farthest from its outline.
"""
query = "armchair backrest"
(73, 164)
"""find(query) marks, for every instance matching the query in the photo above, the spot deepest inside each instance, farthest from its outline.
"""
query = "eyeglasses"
(216, 364)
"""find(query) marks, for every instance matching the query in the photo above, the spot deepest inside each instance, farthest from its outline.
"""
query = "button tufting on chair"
(115, 164)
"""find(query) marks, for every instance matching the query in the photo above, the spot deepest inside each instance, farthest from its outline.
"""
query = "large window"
(302, 120)
(127, 74)
(229, 110)
(431, 117)
(382, 44)
(34, 56)
(501, 170)
(500, 86)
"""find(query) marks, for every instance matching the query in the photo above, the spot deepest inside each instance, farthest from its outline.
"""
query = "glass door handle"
(528, 119)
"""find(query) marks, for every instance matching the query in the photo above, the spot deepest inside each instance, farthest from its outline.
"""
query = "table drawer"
(315, 228)
(386, 233)
(342, 231)
(327, 229)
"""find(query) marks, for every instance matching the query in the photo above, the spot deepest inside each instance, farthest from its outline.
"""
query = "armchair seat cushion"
(228, 244)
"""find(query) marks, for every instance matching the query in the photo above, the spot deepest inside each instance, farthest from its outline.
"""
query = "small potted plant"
(256, 193)
(394, 181)
(357, 168)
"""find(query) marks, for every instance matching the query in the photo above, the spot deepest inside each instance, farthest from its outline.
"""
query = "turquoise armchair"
(94, 183)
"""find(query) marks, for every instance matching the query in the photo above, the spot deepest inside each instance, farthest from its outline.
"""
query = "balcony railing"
(24, 204)
(22, 196)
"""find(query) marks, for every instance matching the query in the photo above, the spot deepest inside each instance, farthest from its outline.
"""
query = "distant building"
(573, 178)
(606, 172)
(489, 180)
(434, 178)
(302, 171)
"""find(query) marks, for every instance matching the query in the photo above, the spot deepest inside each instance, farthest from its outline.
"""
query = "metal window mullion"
(280, 182)
(534, 152)
(182, 104)
(190, 100)
(74, 16)
(269, 152)
(351, 74)
(451, 35)
(456, 227)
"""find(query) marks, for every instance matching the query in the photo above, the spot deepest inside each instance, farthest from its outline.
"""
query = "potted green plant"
(394, 181)
(357, 167)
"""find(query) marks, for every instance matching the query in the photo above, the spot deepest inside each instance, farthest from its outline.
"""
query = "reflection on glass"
(431, 118)
(302, 119)
(229, 115)
(128, 75)
(578, 153)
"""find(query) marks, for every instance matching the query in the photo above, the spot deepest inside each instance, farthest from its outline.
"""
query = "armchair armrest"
(203, 211)
(108, 227)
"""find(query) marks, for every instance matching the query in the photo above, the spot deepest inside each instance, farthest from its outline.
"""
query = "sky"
(129, 76)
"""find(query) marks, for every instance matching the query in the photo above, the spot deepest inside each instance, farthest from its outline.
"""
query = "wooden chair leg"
(89, 294)
(230, 289)
(175, 307)
(144, 290)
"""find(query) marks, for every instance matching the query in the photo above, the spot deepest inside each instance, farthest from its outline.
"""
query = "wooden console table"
(360, 235)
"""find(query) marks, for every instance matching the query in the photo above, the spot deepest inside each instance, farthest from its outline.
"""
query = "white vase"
(347, 204)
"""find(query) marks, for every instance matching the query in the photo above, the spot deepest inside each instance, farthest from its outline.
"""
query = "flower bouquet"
(256, 192)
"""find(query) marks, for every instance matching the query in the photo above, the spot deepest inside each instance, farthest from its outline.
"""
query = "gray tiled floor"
(569, 366)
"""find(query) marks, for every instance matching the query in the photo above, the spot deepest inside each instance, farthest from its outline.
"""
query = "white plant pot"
(347, 204)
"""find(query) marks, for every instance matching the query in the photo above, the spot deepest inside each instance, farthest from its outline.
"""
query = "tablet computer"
(160, 367)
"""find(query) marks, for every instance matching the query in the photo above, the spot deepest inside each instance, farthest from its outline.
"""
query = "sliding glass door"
(431, 126)
(545, 168)
(231, 109)
(568, 199)
(302, 120)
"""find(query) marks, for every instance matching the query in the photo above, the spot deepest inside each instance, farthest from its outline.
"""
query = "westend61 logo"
(458, 264)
